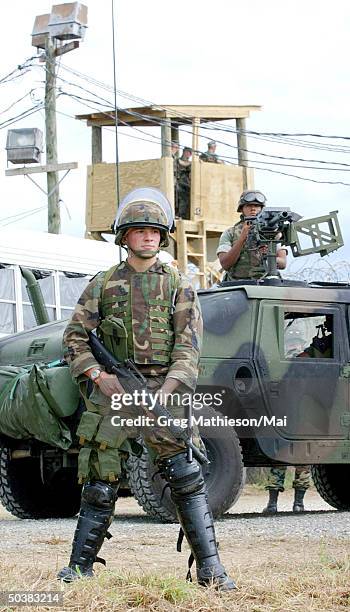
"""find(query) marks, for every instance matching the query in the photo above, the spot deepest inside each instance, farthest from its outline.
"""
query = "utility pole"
(50, 31)
(53, 196)
(242, 149)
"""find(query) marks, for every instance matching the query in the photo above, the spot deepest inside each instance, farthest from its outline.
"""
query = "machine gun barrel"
(132, 380)
(277, 218)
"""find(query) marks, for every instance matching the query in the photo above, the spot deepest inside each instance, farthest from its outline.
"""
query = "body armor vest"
(136, 313)
(249, 263)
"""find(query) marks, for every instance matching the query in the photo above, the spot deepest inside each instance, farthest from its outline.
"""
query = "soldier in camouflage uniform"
(144, 310)
(233, 253)
(184, 184)
(302, 480)
(210, 155)
(321, 346)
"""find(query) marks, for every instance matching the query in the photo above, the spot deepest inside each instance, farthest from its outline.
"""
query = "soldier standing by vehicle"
(239, 261)
(144, 310)
(275, 485)
(320, 347)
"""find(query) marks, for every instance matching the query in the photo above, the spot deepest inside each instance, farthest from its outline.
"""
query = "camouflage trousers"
(276, 477)
(106, 444)
(183, 210)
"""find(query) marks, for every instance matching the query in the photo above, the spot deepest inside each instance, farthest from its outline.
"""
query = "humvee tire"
(331, 482)
(23, 493)
(225, 477)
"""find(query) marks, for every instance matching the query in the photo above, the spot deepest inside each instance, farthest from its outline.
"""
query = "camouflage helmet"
(251, 196)
(144, 207)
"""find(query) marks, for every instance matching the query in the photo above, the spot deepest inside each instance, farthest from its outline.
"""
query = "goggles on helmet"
(252, 196)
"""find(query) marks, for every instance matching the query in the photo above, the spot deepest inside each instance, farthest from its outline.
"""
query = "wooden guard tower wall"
(215, 188)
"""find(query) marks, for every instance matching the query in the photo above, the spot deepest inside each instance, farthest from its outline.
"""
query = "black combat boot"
(271, 507)
(96, 514)
(298, 505)
(189, 493)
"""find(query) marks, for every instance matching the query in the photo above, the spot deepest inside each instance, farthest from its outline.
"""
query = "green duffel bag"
(33, 401)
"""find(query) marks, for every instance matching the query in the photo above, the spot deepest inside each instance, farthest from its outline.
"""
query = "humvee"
(279, 398)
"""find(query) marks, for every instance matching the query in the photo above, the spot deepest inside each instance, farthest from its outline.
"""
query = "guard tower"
(215, 188)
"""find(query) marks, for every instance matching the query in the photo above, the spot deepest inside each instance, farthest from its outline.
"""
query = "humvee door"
(301, 351)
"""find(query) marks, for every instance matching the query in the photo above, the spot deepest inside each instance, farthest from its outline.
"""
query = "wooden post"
(195, 139)
(96, 144)
(196, 211)
(175, 134)
(53, 197)
(166, 138)
(242, 150)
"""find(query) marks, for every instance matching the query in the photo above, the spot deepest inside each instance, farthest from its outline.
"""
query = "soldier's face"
(143, 239)
(251, 210)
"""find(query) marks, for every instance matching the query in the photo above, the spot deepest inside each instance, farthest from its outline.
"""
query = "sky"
(290, 57)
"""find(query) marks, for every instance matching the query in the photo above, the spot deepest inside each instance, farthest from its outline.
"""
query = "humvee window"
(308, 335)
(7, 318)
(7, 301)
(71, 289)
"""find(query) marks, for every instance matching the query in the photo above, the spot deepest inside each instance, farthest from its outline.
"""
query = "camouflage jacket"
(182, 172)
(209, 157)
(186, 321)
(249, 263)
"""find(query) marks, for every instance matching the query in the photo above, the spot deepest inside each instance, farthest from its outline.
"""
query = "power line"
(281, 137)
(16, 102)
(20, 67)
(23, 115)
(229, 158)
(210, 126)
(143, 101)
(344, 166)
(21, 216)
(252, 133)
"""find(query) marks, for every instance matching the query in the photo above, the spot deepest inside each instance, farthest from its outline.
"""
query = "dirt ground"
(142, 544)
(286, 563)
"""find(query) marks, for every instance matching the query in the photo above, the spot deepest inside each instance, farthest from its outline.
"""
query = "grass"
(316, 580)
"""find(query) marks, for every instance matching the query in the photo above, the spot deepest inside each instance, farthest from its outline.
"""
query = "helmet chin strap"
(145, 254)
(141, 254)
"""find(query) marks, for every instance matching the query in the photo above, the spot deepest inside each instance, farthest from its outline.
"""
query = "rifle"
(132, 380)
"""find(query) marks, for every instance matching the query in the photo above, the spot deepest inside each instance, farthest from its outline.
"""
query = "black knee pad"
(183, 477)
(99, 494)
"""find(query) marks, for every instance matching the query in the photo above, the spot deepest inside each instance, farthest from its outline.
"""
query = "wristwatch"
(94, 374)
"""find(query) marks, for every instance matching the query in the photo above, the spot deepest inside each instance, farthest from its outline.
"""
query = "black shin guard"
(96, 513)
(188, 491)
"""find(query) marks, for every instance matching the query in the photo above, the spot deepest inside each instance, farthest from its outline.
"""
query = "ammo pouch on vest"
(114, 336)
